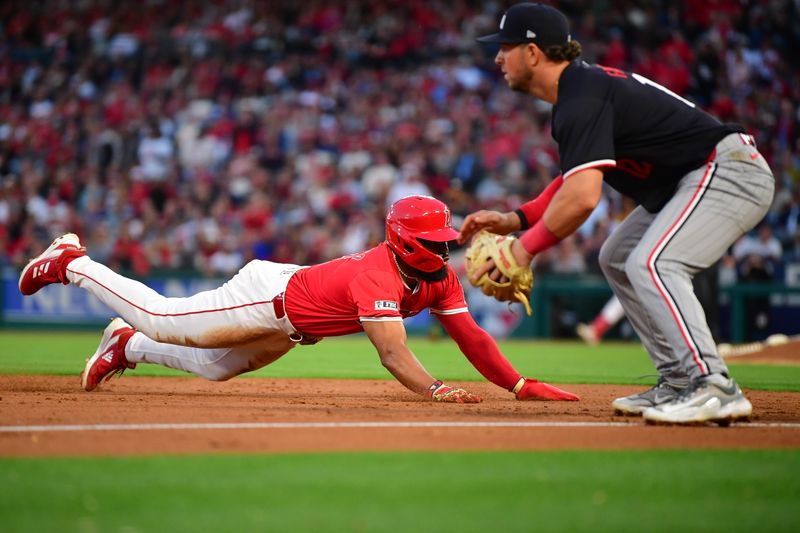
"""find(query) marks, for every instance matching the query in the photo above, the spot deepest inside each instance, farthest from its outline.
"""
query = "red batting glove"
(439, 392)
(536, 390)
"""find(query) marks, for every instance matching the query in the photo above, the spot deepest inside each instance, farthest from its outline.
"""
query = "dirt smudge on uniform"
(739, 155)
(225, 337)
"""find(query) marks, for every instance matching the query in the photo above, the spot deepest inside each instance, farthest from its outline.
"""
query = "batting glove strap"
(435, 386)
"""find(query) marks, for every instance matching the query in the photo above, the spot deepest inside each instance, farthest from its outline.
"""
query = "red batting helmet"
(413, 220)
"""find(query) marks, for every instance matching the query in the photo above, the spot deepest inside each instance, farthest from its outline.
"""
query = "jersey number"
(644, 81)
(617, 73)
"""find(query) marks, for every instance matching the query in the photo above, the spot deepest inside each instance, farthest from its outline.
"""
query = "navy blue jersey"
(644, 137)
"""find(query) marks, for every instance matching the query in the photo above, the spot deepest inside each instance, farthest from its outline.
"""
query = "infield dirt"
(58, 400)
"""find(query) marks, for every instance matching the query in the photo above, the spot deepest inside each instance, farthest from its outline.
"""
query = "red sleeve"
(451, 299)
(376, 296)
(530, 212)
(481, 349)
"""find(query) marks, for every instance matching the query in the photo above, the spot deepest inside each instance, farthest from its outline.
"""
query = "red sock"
(67, 257)
(600, 326)
(122, 341)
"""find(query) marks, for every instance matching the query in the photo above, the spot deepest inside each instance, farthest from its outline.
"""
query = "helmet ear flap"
(399, 244)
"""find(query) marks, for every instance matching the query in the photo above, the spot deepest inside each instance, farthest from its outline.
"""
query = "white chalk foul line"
(346, 425)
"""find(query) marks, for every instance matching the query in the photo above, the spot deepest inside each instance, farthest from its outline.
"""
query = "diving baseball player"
(699, 185)
(268, 308)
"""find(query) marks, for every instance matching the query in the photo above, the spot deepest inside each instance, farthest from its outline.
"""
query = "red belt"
(280, 312)
(277, 305)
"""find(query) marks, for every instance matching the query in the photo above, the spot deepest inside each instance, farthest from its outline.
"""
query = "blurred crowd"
(202, 134)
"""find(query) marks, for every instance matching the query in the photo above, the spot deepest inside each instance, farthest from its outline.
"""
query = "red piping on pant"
(651, 266)
(177, 314)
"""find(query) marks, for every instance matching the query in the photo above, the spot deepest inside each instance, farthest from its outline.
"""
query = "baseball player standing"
(699, 185)
(268, 308)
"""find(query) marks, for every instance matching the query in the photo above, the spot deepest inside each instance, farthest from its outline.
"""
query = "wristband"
(523, 220)
(538, 238)
(519, 385)
(434, 387)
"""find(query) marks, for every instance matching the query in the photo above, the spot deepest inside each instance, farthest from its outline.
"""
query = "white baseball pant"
(217, 334)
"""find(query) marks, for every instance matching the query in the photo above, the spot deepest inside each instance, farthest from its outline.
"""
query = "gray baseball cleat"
(635, 404)
(712, 398)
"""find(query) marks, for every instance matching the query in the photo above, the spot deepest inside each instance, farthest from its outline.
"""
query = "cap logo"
(502, 22)
(530, 35)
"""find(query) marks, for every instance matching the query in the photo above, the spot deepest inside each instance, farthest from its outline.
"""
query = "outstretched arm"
(389, 339)
(504, 223)
(482, 351)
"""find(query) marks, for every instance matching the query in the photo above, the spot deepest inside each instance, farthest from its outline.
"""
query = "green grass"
(733, 490)
(49, 352)
(465, 492)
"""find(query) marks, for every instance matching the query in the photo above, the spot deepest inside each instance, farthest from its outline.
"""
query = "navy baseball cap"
(531, 23)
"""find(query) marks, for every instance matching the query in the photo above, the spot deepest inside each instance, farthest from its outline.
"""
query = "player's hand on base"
(536, 390)
(439, 392)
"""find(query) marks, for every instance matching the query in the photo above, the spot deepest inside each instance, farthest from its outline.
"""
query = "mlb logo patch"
(380, 305)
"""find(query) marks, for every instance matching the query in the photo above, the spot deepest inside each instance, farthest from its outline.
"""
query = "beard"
(436, 275)
(521, 83)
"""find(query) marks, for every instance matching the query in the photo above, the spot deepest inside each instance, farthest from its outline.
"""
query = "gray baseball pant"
(650, 259)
